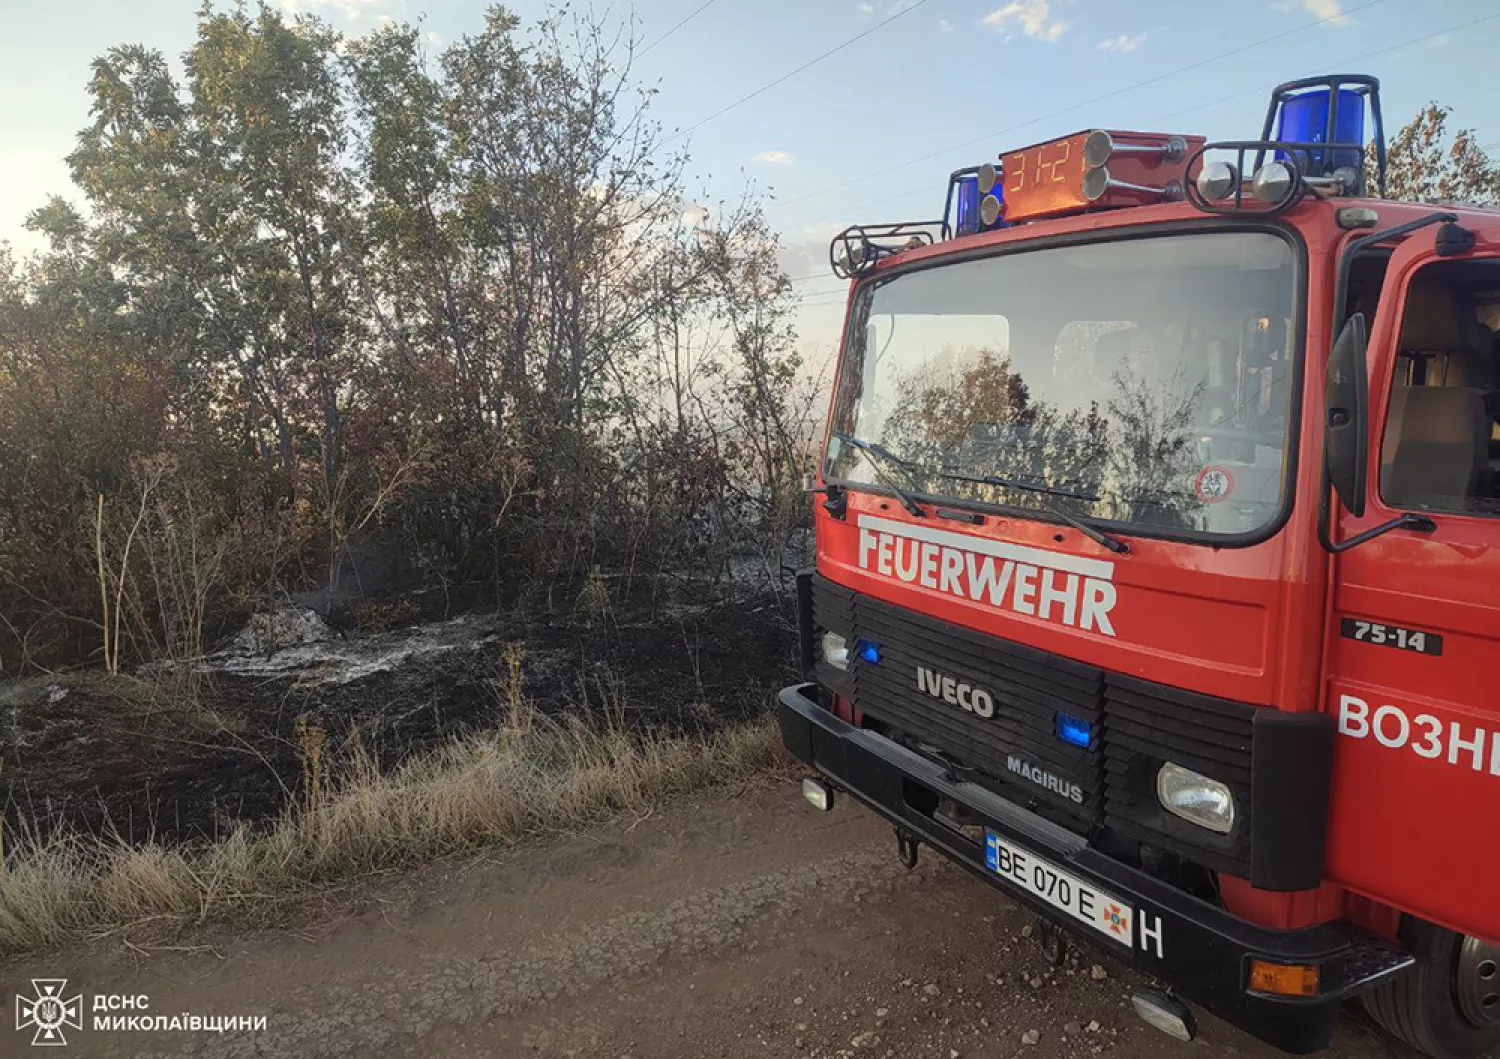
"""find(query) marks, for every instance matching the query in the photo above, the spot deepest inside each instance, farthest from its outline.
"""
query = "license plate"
(1108, 915)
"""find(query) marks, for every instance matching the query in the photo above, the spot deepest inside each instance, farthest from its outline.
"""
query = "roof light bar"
(1320, 125)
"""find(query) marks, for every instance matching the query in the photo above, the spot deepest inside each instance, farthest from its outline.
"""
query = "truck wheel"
(1449, 1005)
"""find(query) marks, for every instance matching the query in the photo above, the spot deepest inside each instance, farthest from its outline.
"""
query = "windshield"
(1148, 380)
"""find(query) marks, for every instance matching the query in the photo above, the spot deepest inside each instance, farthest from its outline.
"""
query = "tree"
(459, 312)
(1424, 165)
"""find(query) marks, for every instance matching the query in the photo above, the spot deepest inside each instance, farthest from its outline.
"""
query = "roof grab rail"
(858, 247)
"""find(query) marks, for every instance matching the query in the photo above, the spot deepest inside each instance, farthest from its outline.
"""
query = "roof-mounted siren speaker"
(992, 200)
(976, 201)
(1319, 125)
(1102, 187)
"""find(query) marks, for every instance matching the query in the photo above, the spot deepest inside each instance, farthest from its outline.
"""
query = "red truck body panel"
(1260, 624)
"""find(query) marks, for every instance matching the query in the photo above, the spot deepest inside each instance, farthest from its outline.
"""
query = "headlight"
(1217, 180)
(835, 650)
(1196, 798)
(1272, 182)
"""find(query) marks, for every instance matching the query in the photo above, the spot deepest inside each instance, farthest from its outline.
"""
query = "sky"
(869, 133)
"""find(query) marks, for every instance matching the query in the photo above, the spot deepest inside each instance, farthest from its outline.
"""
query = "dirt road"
(744, 926)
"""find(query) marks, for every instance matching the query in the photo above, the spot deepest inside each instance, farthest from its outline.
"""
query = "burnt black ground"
(82, 752)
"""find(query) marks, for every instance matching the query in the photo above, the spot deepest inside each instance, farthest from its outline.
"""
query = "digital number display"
(1044, 179)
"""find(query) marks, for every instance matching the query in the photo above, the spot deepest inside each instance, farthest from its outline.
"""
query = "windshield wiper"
(874, 449)
(1024, 484)
(1093, 533)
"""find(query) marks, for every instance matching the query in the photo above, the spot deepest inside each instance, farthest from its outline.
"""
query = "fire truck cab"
(1158, 566)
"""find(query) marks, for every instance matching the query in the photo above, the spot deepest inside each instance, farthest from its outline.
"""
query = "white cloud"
(1033, 16)
(866, 9)
(944, 26)
(1329, 12)
(435, 39)
(1440, 41)
(350, 9)
(1123, 43)
(773, 158)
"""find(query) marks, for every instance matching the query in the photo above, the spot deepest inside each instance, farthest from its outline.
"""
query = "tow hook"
(1053, 941)
(907, 845)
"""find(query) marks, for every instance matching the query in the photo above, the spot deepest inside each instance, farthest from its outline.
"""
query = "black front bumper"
(1201, 951)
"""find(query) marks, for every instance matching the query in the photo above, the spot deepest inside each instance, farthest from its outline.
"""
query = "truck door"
(1414, 644)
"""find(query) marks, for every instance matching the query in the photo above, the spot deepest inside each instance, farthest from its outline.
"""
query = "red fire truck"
(1158, 566)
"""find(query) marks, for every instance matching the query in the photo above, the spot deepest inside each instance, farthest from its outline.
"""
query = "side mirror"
(1346, 403)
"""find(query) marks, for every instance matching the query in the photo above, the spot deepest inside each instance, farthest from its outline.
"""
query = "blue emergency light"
(1304, 118)
(1328, 110)
(1074, 730)
(868, 650)
(966, 188)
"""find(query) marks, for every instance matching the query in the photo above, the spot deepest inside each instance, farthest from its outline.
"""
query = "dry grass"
(495, 789)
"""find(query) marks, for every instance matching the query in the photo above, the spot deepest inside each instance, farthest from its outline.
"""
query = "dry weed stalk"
(519, 713)
(477, 791)
(312, 739)
(112, 609)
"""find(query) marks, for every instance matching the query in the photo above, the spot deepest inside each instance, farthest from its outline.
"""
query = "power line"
(1260, 89)
(810, 63)
(696, 12)
(988, 137)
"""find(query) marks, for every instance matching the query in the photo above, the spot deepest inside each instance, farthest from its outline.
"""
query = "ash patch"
(315, 655)
(132, 756)
(270, 632)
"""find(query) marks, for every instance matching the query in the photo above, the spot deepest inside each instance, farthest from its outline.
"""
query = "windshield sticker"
(1214, 484)
(1054, 586)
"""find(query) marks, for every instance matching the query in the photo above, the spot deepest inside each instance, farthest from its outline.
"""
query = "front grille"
(1028, 688)
(1136, 724)
(1146, 724)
